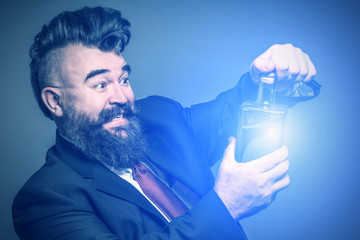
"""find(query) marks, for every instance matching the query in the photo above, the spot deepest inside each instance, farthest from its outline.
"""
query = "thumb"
(229, 153)
(262, 65)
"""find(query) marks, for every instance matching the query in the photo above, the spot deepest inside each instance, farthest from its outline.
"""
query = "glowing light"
(261, 139)
(273, 132)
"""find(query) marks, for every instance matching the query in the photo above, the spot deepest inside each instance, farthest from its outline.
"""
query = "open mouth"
(116, 121)
(118, 117)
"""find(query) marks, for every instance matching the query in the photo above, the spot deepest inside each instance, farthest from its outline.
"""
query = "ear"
(51, 98)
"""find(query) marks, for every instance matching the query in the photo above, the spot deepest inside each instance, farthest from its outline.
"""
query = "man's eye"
(100, 85)
(124, 81)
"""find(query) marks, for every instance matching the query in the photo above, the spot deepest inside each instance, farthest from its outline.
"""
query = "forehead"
(78, 61)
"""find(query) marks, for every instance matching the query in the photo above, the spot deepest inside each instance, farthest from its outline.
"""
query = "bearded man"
(126, 169)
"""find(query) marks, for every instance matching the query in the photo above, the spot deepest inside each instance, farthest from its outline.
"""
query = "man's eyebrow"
(126, 68)
(95, 72)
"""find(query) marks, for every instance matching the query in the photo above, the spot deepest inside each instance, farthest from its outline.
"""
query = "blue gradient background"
(192, 50)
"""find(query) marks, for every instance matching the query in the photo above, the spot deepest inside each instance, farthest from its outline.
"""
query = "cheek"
(90, 105)
(130, 96)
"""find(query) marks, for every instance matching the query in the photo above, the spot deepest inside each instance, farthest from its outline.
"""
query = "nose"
(117, 96)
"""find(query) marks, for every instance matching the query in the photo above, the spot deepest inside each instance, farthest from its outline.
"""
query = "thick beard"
(111, 149)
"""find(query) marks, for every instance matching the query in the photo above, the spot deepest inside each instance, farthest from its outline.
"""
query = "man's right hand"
(246, 188)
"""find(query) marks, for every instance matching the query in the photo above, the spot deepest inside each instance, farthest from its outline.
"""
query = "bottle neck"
(266, 94)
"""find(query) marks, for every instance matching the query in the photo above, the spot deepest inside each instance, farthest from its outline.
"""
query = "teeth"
(121, 116)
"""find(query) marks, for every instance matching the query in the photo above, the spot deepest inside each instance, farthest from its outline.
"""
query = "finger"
(281, 62)
(312, 70)
(271, 160)
(278, 172)
(281, 184)
(294, 63)
(304, 66)
(229, 152)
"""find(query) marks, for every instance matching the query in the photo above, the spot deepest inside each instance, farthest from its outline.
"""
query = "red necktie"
(160, 194)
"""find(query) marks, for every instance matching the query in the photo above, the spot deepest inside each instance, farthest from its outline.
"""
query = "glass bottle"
(261, 123)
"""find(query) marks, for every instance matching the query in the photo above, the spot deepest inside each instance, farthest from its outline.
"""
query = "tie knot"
(140, 168)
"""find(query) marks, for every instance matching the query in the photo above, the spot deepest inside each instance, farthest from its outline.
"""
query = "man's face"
(99, 114)
(97, 82)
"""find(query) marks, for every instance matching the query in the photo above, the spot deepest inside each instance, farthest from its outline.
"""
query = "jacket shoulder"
(158, 103)
(158, 109)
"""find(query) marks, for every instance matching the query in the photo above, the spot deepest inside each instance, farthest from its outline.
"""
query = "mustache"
(107, 115)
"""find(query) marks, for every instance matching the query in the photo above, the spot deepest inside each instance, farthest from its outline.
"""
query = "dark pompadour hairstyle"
(103, 28)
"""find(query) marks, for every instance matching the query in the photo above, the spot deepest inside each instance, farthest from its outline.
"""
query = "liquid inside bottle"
(261, 125)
